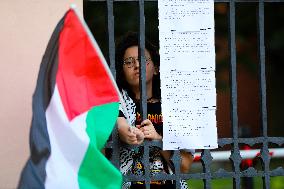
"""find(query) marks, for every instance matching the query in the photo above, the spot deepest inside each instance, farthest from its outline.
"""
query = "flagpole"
(101, 56)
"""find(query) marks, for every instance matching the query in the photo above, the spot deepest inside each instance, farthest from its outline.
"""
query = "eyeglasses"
(130, 61)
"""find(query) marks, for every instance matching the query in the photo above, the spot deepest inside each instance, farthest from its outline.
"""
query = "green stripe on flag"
(96, 171)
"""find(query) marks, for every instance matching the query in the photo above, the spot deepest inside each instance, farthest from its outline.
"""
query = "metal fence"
(264, 140)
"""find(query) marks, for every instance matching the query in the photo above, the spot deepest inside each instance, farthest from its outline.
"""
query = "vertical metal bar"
(111, 51)
(143, 89)
(235, 156)
(206, 160)
(261, 55)
(176, 159)
(111, 46)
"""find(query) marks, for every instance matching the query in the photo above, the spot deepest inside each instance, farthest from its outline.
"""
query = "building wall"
(26, 27)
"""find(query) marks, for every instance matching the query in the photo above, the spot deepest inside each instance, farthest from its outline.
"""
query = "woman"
(132, 130)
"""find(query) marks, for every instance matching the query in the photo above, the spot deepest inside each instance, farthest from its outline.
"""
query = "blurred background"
(126, 17)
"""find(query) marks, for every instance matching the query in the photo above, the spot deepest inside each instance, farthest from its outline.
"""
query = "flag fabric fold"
(75, 107)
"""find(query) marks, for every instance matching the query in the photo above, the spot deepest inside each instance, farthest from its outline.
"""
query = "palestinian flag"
(75, 107)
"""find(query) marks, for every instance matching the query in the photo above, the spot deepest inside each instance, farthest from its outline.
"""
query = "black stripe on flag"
(34, 173)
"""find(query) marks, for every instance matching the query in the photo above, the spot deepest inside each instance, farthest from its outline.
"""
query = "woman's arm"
(128, 134)
(186, 159)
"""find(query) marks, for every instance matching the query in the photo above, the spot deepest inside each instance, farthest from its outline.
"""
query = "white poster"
(186, 34)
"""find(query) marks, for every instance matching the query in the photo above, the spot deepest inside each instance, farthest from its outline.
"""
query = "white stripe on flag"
(69, 143)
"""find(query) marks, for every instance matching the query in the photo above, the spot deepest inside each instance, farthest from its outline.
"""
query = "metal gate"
(263, 141)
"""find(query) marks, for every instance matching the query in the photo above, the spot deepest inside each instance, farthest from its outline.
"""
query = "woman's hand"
(139, 136)
(128, 134)
(149, 130)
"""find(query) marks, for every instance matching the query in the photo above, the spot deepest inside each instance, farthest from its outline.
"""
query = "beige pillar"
(25, 28)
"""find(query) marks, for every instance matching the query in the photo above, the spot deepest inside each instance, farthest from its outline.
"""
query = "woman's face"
(131, 66)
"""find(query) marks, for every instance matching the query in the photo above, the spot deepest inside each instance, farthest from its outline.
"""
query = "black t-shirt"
(157, 163)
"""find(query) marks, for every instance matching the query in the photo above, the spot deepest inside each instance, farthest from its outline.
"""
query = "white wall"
(25, 28)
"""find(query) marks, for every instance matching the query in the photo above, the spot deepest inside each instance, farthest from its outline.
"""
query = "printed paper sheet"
(186, 33)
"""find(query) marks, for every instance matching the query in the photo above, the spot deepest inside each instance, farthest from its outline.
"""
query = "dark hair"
(128, 40)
